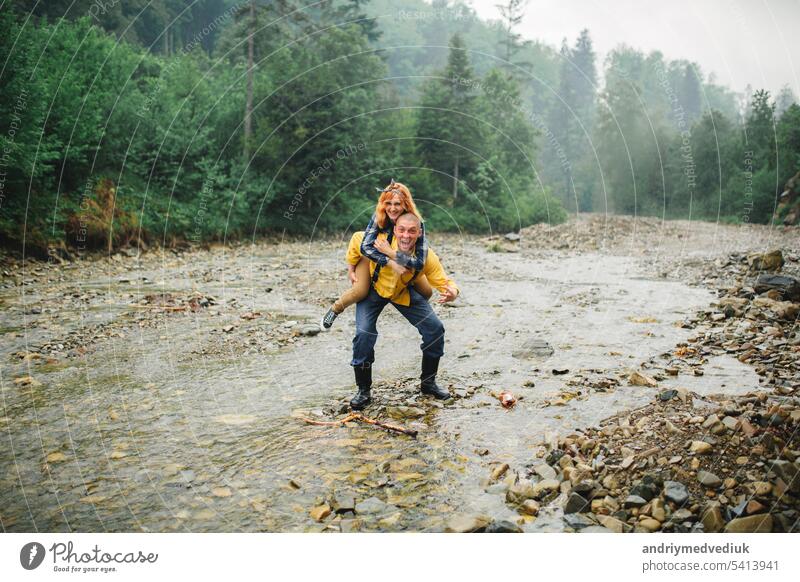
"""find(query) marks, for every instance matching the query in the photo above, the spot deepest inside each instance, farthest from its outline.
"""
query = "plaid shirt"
(415, 262)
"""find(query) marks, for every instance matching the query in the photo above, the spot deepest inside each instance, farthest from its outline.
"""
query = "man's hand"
(351, 274)
(398, 268)
(383, 246)
(450, 294)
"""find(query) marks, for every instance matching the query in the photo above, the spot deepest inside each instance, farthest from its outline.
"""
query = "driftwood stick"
(393, 427)
(347, 418)
(360, 417)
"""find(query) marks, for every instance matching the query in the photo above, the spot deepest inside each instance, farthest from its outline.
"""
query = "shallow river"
(142, 434)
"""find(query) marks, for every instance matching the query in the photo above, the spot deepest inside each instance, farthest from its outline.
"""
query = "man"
(393, 286)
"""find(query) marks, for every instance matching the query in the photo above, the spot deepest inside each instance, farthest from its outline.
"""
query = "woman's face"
(394, 207)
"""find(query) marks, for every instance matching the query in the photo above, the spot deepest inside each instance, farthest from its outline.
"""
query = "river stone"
(404, 412)
(467, 523)
(532, 349)
(576, 504)
(681, 515)
(701, 447)
(370, 505)
(543, 488)
(578, 521)
(752, 524)
(633, 501)
(307, 329)
(712, 518)
(657, 509)
(350, 525)
(503, 526)
(611, 523)
(789, 287)
(320, 512)
(644, 490)
(545, 471)
(769, 261)
(650, 524)
(519, 492)
(343, 502)
(708, 479)
(786, 471)
(529, 507)
(676, 492)
(730, 422)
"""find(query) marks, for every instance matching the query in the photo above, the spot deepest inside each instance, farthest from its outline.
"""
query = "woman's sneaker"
(327, 320)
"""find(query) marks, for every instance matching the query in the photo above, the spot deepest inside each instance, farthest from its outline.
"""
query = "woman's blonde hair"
(395, 189)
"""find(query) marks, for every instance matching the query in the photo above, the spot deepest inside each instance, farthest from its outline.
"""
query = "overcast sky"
(753, 41)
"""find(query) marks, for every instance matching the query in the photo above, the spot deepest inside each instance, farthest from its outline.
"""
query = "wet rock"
(754, 506)
(350, 525)
(405, 412)
(370, 505)
(545, 487)
(676, 492)
(752, 524)
(467, 523)
(529, 507)
(533, 349)
(578, 521)
(519, 492)
(306, 329)
(576, 504)
(708, 479)
(320, 512)
(498, 472)
(343, 502)
(545, 471)
(503, 526)
(667, 395)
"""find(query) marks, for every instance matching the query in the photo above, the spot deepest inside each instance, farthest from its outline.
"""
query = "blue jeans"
(419, 314)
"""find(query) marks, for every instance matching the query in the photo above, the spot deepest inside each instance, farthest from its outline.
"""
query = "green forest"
(164, 122)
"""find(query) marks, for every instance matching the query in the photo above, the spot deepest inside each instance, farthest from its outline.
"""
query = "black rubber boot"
(430, 367)
(364, 383)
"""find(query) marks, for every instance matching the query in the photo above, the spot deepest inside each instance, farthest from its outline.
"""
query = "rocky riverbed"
(655, 367)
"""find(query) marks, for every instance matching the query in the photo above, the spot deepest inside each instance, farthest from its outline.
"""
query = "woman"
(376, 246)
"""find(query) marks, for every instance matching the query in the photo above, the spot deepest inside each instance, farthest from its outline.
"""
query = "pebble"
(708, 479)
(701, 448)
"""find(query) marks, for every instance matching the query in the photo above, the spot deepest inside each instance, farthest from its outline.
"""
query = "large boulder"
(788, 287)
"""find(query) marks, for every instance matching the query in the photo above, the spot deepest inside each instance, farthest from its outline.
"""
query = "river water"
(179, 425)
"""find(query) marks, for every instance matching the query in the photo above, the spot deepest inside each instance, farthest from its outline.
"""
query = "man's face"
(407, 232)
